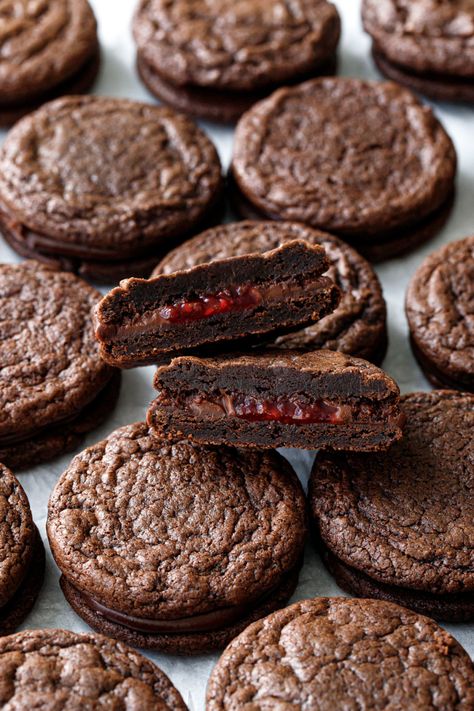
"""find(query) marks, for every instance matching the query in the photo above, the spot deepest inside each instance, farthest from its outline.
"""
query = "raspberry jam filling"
(237, 298)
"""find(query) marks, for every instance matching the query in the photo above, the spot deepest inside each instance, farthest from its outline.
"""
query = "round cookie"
(426, 45)
(357, 327)
(300, 155)
(54, 387)
(440, 312)
(60, 669)
(390, 534)
(176, 547)
(47, 49)
(333, 653)
(215, 59)
(100, 204)
(22, 556)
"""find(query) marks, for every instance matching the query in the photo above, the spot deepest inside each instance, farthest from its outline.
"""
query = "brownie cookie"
(212, 305)
(440, 312)
(103, 187)
(312, 400)
(21, 554)
(424, 44)
(332, 653)
(356, 327)
(383, 181)
(176, 547)
(398, 526)
(215, 59)
(58, 669)
(47, 49)
(54, 386)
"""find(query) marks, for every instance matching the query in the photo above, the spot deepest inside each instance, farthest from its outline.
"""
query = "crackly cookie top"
(110, 173)
(167, 531)
(235, 44)
(334, 653)
(353, 328)
(49, 359)
(425, 35)
(16, 534)
(42, 43)
(53, 669)
(405, 517)
(440, 309)
(346, 155)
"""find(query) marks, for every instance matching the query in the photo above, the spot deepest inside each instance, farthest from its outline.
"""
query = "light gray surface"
(118, 78)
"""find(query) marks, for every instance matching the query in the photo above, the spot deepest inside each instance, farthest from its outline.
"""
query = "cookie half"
(425, 45)
(356, 327)
(398, 525)
(331, 172)
(100, 207)
(62, 669)
(176, 547)
(214, 60)
(333, 653)
(439, 307)
(313, 400)
(22, 556)
(47, 49)
(241, 298)
(54, 386)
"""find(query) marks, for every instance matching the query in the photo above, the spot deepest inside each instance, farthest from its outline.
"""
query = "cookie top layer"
(425, 35)
(41, 44)
(55, 669)
(17, 534)
(164, 531)
(49, 359)
(405, 517)
(346, 155)
(332, 653)
(235, 44)
(353, 328)
(440, 309)
(108, 173)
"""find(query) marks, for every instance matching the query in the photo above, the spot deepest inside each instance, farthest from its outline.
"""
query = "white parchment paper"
(118, 78)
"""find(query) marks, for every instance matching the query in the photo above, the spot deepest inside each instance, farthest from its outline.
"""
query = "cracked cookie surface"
(332, 653)
(60, 669)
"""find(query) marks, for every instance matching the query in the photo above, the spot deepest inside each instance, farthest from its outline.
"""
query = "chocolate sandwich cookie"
(104, 187)
(356, 327)
(21, 554)
(301, 155)
(332, 653)
(215, 59)
(313, 400)
(426, 45)
(176, 547)
(398, 526)
(252, 296)
(440, 308)
(47, 49)
(53, 385)
(58, 669)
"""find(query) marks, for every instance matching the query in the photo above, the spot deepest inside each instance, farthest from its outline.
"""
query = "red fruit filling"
(289, 411)
(236, 298)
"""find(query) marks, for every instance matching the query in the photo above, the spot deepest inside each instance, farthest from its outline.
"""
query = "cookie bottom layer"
(79, 83)
(185, 643)
(447, 608)
(377, 248)
(62, 438)
(16, 610)
(439, 87)
(440, 380)
(211, 104)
